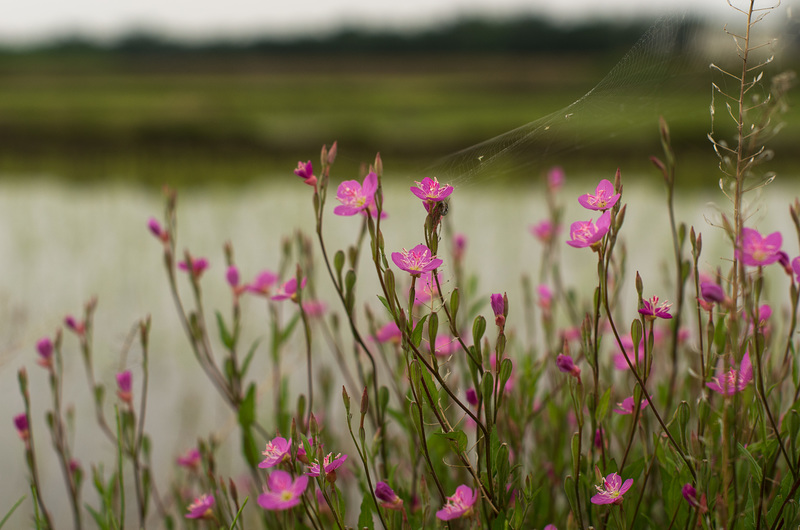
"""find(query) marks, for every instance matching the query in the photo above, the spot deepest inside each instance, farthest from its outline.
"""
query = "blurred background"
(103, 103)
(149, 93)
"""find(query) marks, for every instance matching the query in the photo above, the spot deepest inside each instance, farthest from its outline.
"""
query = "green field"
(182, 119)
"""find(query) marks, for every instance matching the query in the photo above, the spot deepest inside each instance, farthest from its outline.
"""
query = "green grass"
(237, 119)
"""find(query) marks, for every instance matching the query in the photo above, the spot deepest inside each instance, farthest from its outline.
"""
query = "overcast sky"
(35, 20)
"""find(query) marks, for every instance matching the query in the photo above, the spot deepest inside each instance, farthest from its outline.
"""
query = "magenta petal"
(345, 210)
(418, 193)
(749, 236)
(370, 185)
(745, 371)
(299, 485)
(397, 258)
(604, 223)
(626, 486)
(279, 480)
(602, 498)
(604, 187)
(774, 240)
(583, 200)
(434, 264)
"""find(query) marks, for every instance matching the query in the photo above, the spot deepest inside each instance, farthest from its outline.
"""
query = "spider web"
(629, 96)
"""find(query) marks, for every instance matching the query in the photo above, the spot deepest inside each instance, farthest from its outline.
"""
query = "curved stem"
(644, 391)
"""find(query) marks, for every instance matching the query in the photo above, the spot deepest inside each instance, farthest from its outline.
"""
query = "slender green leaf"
(239, 513)
(11, 511)
(602, 407)
(224, 335)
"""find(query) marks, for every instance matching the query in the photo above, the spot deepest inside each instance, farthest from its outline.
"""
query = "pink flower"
(612, 490)
(619, 359)
(355, 197)
(389, 332)
(499, 303)
(416, 261)
(232, 276)
(78, 327)
(545, 231)
(460, 246)
(330, 464)
(755, 250)
(763, 314)
(555, 178)
(796, 267)
(372, 211)
(567, 365)
(301, 451)
(445, 345)
(459, 505)
(733, 381)
(603, 198)
(711, 292)
(156, 230)
(586, 233)
(277, 451)
(425, 288)
(306, 172)
(690, 494)
(472, 397)
(429, 190)
(23, 429)
(288, 290)
(191, 460)
(652, 310)
(263, 283)
(124, 380)
(498, 306)
(45, 349)
(196, 266)
(324, 508)
(545, 296)
(281, 493)
(201, 507)
(387, 496)
(314, 308)
(783, 259)
(626, 407)
(599, 434)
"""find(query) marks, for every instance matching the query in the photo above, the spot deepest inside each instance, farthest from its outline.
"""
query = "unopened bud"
(332, 153)
(364, 402)
(346, 399)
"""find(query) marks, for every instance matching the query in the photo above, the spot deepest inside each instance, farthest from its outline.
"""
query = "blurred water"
(60, 245)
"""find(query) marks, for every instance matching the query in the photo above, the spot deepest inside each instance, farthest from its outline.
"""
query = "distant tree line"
(524, 34)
